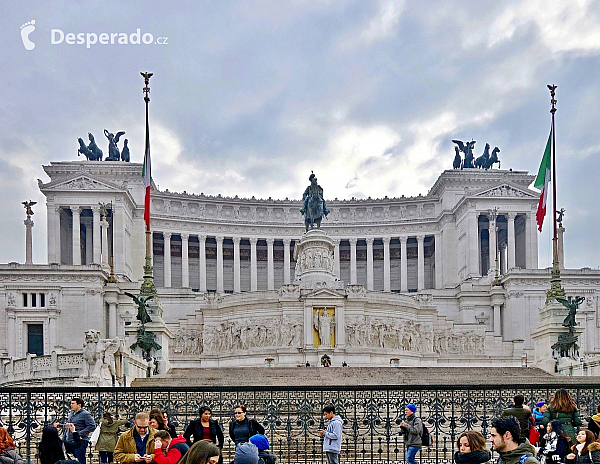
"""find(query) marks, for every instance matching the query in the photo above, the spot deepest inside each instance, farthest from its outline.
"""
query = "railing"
(292, 416)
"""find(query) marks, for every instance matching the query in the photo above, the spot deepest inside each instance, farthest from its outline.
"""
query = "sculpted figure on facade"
(389, 334)
(187, 342)
(314, 206)
(92, 356)
(324, 325)
(458, 343)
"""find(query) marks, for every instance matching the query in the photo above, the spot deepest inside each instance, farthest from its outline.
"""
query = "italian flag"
(147, 180)
(541, 182)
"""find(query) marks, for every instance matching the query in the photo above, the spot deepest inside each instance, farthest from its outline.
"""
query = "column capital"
(353, 241)
(386, 240)
(369, 241)
(420, 238)
(58, 208)
(219, 238)
(511, 216)
(336, 242)
(201, 238)
(167, 235)
(253, 241)
(95, 210)
(184, 237)
(270, 241)
(237, 240)
(75, 209)
(287, 242)
(403, 239)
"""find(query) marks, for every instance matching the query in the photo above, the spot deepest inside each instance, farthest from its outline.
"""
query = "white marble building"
(411, 277)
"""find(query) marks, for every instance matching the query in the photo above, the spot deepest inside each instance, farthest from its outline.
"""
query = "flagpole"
(556, 289)
(148, 287)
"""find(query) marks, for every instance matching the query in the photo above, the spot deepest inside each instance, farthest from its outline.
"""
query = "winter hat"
(260, 441)
(412, 407)
(540, 404)
(246, 453)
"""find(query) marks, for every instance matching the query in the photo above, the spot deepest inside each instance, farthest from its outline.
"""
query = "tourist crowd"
(549, 433)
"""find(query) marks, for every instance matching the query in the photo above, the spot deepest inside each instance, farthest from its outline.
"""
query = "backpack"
(522, 459)
(427, 439)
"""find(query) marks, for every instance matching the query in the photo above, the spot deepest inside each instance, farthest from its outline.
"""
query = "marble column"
(96, 235)
(439, 274)
(89, 245)
(420, 262)
(534, 241)
(387, 284)
(28, 241)
(472, 245)
(369, 263)
(286, 261)
(57, 242)
(237, 285)
(497, 321)
(403, 265)
(76, 235)
(104, 244)
(220, 288)
(353, 279)
(51, 218)
(336, 259)
(202, 262)
(510, 217)
(492, 243)
(167, 258)
(253, 265)
(561, 251)
(270, 265)
(112, 319)
(185, 261)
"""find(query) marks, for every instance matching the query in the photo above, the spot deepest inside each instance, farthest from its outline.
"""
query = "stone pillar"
(202, 262)
(237, 285)
(253, 265)
(220, 288)
(286, 261)
(387, 284)
(89, 242)
(492, 244)
(421, 263)
(270, 265)
(510, 218)
(336, 259)
(403, 265)
(472, 245)
(353, 261)
(104, 245)
(76, 235)
(439, 272)
(57, 244)
(531, 233)
(28, 241)
(497, 321)
(112, 319)
(96, 235)
(369, 264)
(51, 218)
(11, 335)
(185, 263)
(167, 258)
(561, 251)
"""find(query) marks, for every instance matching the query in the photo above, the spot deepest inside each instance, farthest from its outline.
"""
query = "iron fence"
(292, 416)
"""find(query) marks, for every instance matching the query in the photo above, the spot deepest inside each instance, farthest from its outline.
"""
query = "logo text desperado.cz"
(105, 38)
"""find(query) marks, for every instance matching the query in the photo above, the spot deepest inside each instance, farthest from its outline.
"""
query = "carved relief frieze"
(397, 334)
(445, 342)
(187, 342)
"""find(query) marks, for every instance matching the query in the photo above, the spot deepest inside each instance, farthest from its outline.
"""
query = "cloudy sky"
(249, 96)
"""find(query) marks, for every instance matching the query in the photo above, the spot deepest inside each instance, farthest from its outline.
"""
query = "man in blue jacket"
(78, 429)
(332, 443)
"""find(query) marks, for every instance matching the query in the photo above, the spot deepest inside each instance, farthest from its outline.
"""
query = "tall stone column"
(270, 265)
(202, 262)
(104, 245)
(286, 261)
(51, 235)
(472, 245)
(253, 265)
(57, 242)
(510, 218)
(387, 284)
(403, 265)
(76, 235)
(493, 243)
(185, 263)
(220, 288)
(96, 234)
(167, 258)
(112, 319)
(369, 263)
(28, 241)
(534, 242)
(353, 279)
(336, 259)
(237, 283)
(561, 251)
(89, 241)
(439, 272)
(421, 262)
(497, 321)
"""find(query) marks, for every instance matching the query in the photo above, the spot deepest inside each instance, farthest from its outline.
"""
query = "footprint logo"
(27, 29)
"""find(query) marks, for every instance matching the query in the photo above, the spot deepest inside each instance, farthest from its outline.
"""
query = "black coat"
(255, 428)
(593, 427)
(194, 430)
(474, 457)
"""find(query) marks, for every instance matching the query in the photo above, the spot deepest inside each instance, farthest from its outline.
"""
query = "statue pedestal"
(314, 255)
(552, 316)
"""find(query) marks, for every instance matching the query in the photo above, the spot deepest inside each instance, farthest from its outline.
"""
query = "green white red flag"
(541, 182)
(147, 179)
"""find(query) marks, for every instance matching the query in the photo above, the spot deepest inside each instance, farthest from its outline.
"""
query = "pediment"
(506, 190)
(325, 293)
(80, 182)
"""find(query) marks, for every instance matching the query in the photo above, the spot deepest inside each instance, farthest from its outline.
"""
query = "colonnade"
(287, 254)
